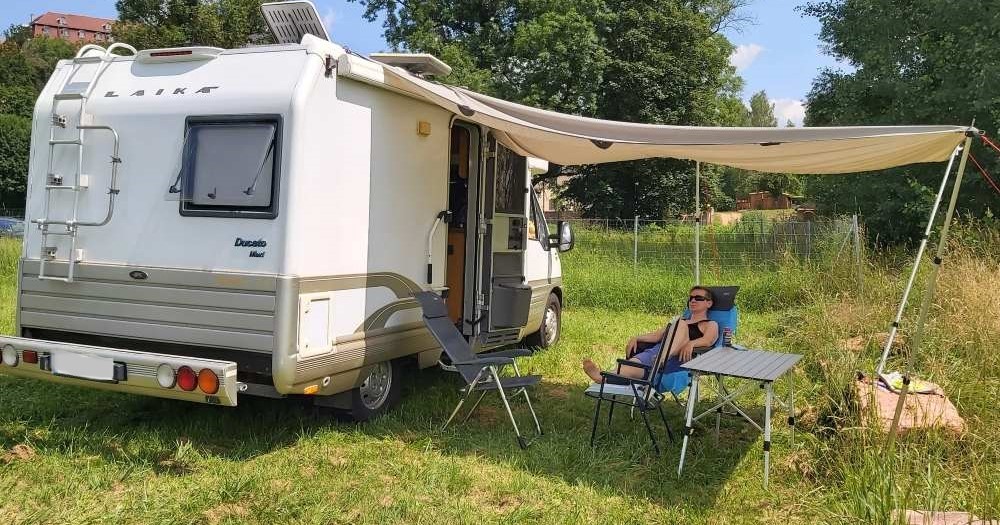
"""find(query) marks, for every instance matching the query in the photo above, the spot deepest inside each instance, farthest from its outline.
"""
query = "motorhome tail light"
(175, 53)
(9, 355)
(30, 357)
(208, 382)
(165, 376)
(187, 379)
(184, 54)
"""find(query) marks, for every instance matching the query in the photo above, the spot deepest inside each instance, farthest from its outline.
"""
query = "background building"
(72, 28)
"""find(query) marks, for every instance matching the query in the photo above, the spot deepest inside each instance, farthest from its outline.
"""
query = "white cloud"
(744, 55)
(329, 18)
(786, 109)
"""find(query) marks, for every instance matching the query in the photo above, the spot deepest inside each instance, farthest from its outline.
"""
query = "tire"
(548, 334)
(379, 392)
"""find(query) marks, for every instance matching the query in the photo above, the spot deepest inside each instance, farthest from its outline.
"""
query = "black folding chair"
(638, 394)
(480, 372)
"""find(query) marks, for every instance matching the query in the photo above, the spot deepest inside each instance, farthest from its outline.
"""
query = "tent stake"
(697, 223)
(925, 304)
(916, 265)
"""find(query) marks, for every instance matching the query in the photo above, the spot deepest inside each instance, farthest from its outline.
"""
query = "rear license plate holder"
(94, 368)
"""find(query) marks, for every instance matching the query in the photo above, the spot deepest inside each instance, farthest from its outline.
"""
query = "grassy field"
(80, 456)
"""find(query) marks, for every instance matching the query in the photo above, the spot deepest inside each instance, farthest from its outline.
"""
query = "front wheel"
(379, 391)
(548, 334)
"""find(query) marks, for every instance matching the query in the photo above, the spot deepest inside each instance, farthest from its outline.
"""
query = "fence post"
(809, 241)
(635, 243)
(857, 250)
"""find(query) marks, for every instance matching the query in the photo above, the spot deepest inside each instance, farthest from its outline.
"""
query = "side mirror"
(563, 239)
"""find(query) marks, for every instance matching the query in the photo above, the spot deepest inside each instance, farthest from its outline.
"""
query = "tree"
(915, 62)
(25, 67)
(148, 24)
(17, 100)
(17, 34)
(739, 182)
(660, 61)
(762, 111)
(15, 141)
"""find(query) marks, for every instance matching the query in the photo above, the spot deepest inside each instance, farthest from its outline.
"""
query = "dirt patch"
(925, 517)
(726, 217)
(800, 461)
(218, 514)
(17, 453)
(856, 344)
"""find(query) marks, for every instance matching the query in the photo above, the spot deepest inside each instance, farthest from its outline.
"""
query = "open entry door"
(504, 294)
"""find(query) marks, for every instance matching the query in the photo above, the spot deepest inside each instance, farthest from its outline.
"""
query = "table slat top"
(761, 365)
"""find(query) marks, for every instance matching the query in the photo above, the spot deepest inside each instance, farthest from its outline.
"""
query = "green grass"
(81, 456)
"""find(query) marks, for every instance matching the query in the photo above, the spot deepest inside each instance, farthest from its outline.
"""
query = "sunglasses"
(697, 298)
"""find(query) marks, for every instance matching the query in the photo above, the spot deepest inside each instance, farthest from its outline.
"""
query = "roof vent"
(290, 21)
(419, 64)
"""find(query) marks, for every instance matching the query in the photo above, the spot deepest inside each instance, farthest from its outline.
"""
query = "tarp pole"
(925, 304)
(697, 223)
(916, 264)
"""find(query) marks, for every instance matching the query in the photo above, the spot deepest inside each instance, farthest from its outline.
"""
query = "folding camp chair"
(480, 372)
(638, 394)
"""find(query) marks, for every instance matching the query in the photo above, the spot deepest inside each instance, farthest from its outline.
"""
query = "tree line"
(653, 61)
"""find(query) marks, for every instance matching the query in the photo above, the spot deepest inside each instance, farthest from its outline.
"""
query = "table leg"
(791, 406)
(768, 386)
(692, 399)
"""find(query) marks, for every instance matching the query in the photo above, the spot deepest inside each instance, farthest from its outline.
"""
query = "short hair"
(708, 293)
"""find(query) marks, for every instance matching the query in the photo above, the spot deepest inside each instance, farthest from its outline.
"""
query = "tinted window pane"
(230, 165)
(510, 183)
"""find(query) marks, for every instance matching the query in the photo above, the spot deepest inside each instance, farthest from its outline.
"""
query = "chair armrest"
(622, 380)
(641, 346)
(634, 364)
(485, 361)
(516, 352)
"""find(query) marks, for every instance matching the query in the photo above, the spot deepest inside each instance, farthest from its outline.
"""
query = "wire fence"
(750, 241)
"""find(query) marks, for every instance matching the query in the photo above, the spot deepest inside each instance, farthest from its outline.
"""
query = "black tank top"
(693, 331)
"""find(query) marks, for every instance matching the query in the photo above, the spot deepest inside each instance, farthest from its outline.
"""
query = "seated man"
(700, 332)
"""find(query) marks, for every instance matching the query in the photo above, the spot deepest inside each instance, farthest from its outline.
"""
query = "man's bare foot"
(592, 370)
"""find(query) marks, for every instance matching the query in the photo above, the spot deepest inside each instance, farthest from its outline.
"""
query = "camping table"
(758, 367)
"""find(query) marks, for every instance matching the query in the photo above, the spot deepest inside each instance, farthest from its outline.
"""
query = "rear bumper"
(134, 372)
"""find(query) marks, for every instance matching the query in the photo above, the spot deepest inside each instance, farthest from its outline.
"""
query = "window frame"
(188, 209)
(541, 230)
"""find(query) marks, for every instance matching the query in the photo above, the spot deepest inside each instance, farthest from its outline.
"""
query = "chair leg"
(597, 414)
(461, 402)
(474, 407)
(611, 411)
(454, 412)
(503, 396)
(649, 428)
(670, 433)
(531, 409)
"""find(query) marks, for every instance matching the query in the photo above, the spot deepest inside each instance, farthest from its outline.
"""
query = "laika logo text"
(163, 91)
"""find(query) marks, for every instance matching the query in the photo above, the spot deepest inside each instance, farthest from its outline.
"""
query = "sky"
(778, 52)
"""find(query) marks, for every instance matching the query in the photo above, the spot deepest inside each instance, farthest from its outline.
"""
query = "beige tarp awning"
(569, 140)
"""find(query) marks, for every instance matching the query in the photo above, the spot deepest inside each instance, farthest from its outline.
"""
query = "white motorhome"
(265, 216)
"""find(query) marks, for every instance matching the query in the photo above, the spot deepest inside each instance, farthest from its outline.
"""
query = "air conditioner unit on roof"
(420, 64)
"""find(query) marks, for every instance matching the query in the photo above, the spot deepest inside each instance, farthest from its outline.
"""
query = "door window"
(538, 229)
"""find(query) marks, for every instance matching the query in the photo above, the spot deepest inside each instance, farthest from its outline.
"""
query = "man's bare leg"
(592, 370)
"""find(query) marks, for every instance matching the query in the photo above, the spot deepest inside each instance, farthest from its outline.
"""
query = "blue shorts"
(648, 355)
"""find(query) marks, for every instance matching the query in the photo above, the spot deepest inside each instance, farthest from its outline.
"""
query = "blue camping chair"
(725, 313)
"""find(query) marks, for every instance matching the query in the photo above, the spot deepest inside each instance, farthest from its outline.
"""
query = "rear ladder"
(55, 182)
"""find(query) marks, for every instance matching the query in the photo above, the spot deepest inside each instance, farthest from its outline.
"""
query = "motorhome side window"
(510, 181)
(538, 230)
(230, 167)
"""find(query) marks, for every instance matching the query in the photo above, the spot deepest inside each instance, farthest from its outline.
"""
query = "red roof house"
(72, 28)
